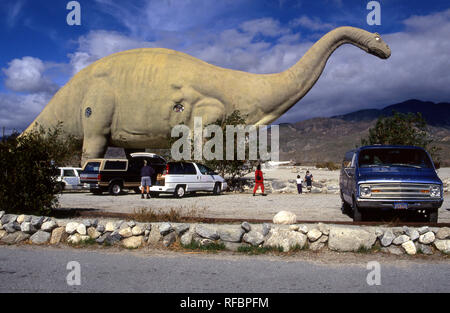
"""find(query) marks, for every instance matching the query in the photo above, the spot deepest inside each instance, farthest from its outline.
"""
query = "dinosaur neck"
(296, 81)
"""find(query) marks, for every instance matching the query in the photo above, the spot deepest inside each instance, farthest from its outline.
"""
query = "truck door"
(351, 178)
(346, 176)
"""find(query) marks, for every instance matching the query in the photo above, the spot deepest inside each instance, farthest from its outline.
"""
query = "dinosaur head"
(378, 47)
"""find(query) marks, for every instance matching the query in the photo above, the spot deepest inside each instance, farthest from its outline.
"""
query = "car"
(390, 178)
(68, 178)
(181, 177)
(115, 175)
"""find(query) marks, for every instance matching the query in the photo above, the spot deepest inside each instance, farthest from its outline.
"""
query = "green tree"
(402, 129)
(27, 168)
(231, 169)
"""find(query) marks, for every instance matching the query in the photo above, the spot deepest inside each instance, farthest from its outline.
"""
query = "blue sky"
(40, 52)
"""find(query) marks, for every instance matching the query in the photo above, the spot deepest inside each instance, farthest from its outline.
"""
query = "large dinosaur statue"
(133, 98)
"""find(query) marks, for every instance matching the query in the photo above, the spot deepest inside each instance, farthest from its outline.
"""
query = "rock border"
(41, 230)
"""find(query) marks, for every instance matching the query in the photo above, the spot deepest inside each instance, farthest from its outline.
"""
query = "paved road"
(39, 269)
(309, 207)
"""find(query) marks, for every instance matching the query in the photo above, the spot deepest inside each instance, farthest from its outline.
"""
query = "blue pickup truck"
(390, 178)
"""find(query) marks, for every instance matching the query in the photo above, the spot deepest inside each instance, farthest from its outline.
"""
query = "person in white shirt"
(299, 184)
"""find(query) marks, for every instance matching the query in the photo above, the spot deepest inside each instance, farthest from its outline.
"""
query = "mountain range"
(321, 140)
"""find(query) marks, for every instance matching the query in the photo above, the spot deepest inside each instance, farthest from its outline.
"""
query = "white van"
(180, 178)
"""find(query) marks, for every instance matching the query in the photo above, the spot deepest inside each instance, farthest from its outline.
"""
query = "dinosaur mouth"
(379, 53)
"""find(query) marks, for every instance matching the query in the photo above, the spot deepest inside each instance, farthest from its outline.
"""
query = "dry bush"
(329, 165)
(146, 215)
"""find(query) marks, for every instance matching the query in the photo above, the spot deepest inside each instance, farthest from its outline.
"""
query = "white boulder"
(285, 217)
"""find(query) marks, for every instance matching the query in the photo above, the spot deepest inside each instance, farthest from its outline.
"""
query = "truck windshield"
(394, 157)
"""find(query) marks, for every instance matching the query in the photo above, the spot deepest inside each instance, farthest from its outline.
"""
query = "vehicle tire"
(154, 194)
(432, 216)
(357, 214)
(217, 189)
(137, 190)
(115, 188)
(180, 192)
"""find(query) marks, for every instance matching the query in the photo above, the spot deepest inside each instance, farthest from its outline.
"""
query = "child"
(299, 184)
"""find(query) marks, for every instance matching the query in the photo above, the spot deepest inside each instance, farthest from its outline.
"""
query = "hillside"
(326, 139)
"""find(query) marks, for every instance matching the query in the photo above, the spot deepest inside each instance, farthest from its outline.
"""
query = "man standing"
(309, 180)
(146, 179)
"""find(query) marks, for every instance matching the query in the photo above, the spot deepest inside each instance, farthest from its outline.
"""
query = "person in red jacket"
(259, 180)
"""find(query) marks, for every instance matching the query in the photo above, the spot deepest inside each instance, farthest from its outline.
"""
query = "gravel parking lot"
(308, 207)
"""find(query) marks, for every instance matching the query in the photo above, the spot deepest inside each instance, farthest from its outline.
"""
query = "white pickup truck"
(180, 178)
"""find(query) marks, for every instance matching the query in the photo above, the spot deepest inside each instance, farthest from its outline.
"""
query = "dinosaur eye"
(88, 112)
(178, 108)
(377, 38)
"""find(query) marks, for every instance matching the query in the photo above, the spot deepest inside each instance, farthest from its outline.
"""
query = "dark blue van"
(394, 178)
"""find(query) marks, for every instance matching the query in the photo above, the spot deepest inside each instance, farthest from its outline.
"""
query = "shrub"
(28, 165)
(329, 165)
(212, 247)
(402, 129)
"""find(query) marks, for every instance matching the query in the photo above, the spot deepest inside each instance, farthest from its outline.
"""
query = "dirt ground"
(308, 207)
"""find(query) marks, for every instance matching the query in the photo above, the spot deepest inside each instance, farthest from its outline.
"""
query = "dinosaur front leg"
(94, 146)
(97, 116)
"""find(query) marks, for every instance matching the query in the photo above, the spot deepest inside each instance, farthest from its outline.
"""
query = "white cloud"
(13, 13)
(264, 26)
(168, 15)
(98, 44)
(27, 75)
(314, 24)
(233, 48)
(18, 111)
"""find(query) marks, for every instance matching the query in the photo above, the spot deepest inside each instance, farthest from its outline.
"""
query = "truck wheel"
(115, 188)
(433, 216)
(217, 189)
(357, 214)
(180, 192)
